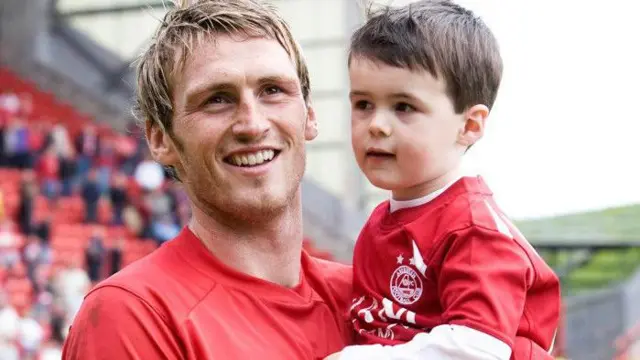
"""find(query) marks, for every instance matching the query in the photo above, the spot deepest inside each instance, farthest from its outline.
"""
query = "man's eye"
(218, 99)
(271, 90)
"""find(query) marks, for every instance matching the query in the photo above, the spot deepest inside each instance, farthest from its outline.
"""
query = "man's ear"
(311, 124)
(161, 146)
(474, 123)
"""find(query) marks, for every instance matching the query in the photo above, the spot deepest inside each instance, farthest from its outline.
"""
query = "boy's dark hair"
(440, 37)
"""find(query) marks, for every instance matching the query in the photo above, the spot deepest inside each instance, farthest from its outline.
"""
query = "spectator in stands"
(38, 135)
(158, 203)
(59, 139)
(118, 196)
(5, 118)
(28, 193)
(125, 150)
(17, 145)
(9, 319)
(58, 320)
(179, 203)
(91, 196)
(2, 207)
(67, 172)
(26, 105)
(9, 254)
(8, 350)
(8, 238)
(70, 285)
(95, 255)
(43, 292)
(10, 102)
(115, 255)
(3, 155)
(133, 220)
(105, 162)
(236, 89)
(33, 256)
(51, 350)
(9, 110)
(164, 228)
(149, 174)
(87, 144)
(48, 171)
(9, 327)
(43, 230)
(18, 286)
(30, 336)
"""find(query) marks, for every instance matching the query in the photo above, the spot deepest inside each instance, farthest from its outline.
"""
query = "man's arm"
(114, 323)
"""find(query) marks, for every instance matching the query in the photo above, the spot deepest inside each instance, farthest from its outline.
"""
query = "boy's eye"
(404, 107)
(362, 105)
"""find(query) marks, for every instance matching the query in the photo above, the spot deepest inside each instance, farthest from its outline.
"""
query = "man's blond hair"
(188, 24)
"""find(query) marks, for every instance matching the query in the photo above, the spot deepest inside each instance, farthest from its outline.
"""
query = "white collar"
(395, 205)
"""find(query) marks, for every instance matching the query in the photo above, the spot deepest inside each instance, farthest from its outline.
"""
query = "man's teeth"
(252, 159)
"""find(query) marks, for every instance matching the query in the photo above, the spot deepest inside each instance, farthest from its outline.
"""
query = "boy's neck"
(427, 189)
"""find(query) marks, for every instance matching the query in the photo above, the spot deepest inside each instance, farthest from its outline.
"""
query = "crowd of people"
(40, 293)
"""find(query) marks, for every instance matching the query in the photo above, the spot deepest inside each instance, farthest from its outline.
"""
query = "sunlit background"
(560, 150)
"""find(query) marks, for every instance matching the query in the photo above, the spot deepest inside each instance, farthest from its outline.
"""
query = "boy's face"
(406, 136)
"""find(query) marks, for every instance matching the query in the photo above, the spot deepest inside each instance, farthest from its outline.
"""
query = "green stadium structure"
(589, 250)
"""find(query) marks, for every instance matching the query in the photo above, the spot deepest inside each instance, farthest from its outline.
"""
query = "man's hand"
(334, 356)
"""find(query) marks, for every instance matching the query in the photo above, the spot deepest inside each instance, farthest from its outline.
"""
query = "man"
(224, 93)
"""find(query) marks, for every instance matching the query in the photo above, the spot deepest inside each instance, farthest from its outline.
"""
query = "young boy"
(439, 271)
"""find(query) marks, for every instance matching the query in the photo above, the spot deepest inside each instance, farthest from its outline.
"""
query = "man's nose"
(250, 123)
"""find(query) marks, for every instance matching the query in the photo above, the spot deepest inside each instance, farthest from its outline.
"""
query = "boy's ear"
(311, 125)
(474, 122)
(161, 145)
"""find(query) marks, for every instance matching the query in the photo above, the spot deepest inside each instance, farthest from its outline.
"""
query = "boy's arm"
(482, 286)
(116, 324)
(443, 342)
(422, 347)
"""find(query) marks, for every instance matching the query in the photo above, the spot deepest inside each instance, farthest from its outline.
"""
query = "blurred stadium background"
(80, 199)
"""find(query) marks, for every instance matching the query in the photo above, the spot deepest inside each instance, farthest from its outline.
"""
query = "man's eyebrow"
(281, 79)
(206, 87)
(212, 86)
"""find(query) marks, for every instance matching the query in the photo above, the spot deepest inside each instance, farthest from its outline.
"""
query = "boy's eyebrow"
(403, 95)
(358, 93)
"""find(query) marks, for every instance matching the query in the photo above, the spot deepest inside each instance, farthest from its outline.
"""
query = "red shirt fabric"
(180, 302)
(455, 260)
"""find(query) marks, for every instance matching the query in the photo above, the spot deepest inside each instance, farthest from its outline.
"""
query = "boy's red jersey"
(455, 260)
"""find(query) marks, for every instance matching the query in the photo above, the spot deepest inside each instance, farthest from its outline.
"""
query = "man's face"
(239, 128)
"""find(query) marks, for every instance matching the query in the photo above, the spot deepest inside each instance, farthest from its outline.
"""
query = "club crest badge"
(406, 285)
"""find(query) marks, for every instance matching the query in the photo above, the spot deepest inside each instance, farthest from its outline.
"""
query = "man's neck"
(270, 250)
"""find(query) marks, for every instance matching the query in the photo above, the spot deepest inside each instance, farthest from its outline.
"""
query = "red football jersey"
(455, 260)
(180, 302)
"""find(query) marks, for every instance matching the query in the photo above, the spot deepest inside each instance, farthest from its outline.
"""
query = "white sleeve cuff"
(444, 342)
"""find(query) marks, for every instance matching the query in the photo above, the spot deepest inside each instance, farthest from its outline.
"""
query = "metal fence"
(595, 320)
